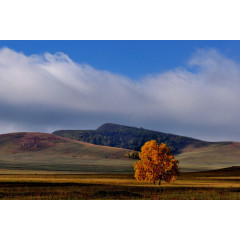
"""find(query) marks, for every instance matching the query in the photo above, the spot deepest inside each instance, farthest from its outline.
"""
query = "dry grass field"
(219, 184)
(45, 166)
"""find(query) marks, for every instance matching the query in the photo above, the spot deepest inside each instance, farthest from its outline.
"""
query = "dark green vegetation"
(120, 136)
(219, 184)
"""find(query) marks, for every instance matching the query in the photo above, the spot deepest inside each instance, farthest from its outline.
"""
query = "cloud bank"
(51, 92)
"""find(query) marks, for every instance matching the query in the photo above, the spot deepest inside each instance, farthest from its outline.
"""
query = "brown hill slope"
(209, 156)
(42, 151)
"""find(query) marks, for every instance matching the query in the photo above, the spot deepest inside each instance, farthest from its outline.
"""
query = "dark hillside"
(120, 136)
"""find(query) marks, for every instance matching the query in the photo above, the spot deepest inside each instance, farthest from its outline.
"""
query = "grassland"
(221, 184)
(209, 156)
(44, 166)
(47, 152)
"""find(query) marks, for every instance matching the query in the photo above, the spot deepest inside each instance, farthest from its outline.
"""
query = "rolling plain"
(47, 166)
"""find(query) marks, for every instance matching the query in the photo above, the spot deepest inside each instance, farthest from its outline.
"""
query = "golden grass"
(185, 180)
(116, 186)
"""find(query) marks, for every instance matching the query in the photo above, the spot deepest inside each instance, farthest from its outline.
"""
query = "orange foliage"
(156, 163)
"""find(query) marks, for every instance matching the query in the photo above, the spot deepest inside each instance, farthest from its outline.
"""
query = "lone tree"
(156, 163)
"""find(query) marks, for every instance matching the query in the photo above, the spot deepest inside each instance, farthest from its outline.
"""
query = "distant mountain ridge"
(115, 135)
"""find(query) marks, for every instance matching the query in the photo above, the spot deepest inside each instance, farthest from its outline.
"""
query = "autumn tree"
(156, 163)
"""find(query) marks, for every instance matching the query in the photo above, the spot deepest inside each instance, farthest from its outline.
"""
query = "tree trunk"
(160, 179)
(154, 182)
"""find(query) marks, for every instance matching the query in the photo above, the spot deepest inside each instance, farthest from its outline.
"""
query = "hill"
(47, 152)
(209, 156)
(193, 154)
(120, 136)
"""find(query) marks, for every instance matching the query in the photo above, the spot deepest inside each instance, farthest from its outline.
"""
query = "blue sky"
(134, 59)
(190, 88)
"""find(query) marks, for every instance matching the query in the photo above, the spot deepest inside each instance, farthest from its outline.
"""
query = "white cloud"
(49, 92)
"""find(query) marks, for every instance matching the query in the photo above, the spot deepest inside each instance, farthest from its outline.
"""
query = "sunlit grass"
(117, 186)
